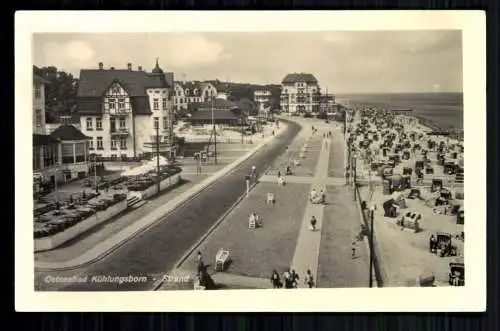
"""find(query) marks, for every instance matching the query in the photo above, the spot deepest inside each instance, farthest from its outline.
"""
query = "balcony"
(123, 132)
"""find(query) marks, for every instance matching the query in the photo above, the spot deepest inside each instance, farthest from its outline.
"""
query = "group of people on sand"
(290, 279)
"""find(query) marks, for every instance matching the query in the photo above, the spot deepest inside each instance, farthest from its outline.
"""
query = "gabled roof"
(95, 82)
(68, 132)
(43, 140)
(299, 78)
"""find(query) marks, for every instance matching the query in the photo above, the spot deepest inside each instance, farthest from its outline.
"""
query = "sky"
(343, 62)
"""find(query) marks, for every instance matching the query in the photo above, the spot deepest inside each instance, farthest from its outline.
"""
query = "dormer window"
(186, 92)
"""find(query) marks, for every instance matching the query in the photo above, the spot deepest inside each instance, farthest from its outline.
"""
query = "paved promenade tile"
(308, 243)
(256, 252)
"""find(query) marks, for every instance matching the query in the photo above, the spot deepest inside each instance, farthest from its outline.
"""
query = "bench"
(221, 259)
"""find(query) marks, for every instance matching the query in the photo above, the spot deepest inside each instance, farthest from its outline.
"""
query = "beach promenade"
(285, 240)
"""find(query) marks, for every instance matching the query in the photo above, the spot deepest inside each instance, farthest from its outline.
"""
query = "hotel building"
(300, 93)
(122, 110)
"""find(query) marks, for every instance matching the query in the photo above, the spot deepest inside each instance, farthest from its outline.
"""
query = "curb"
(210, 181)
(204, 237)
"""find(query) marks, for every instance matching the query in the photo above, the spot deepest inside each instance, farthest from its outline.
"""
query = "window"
(38, 91)
(156, 123)
(99, 143)
(112, 104)
(89, 123)
(115, 90)
(121, 103)
(38, 117)
(91, 144)
(114, 144)
(165, 123)
(155, 104)
(164, 103)
(98, 123)
(123, 143)
(122, 123)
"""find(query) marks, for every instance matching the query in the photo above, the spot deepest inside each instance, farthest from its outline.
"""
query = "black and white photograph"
(323, 157)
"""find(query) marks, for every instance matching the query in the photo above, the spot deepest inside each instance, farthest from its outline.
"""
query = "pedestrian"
(313, 223)
(323, 196)
(279, 174)
(353, 249)
(199, 261)
(287, 279)
(294, 278)
(275, 280)
(308, 279)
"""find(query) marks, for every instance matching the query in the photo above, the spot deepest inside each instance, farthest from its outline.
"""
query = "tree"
(60, 92)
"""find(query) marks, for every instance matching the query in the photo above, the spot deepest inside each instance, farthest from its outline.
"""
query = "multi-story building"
(327, 103)
(39, 122)
(186, 93)
(300, 94)
(125, 110)
(262, 98)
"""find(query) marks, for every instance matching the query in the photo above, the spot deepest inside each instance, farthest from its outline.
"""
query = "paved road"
(157, 250)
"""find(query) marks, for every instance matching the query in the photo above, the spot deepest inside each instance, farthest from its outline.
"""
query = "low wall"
(152, 190)
(51, 242)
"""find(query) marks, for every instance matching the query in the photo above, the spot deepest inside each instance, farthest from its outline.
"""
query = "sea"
(445, 110)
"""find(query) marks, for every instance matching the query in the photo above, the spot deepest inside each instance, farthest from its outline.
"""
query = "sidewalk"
(308, 244)
(108, 245)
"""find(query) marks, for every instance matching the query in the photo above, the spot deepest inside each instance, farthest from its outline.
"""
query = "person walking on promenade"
(353, 249)
(313, 223)
(275, 280)
(287, 279)
(199, 262)
(308, 279)
(295, 278)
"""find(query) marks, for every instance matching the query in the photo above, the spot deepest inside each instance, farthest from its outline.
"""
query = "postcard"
(250, 161)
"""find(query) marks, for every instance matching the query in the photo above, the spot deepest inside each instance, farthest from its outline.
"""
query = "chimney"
(139, 68)
(112, 68)
(101, 65)
(129, 66)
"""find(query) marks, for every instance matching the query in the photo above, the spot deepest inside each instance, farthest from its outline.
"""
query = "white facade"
(191, 92)
(262, 99)
(118, 131)
(39, 122)
(300, 97)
